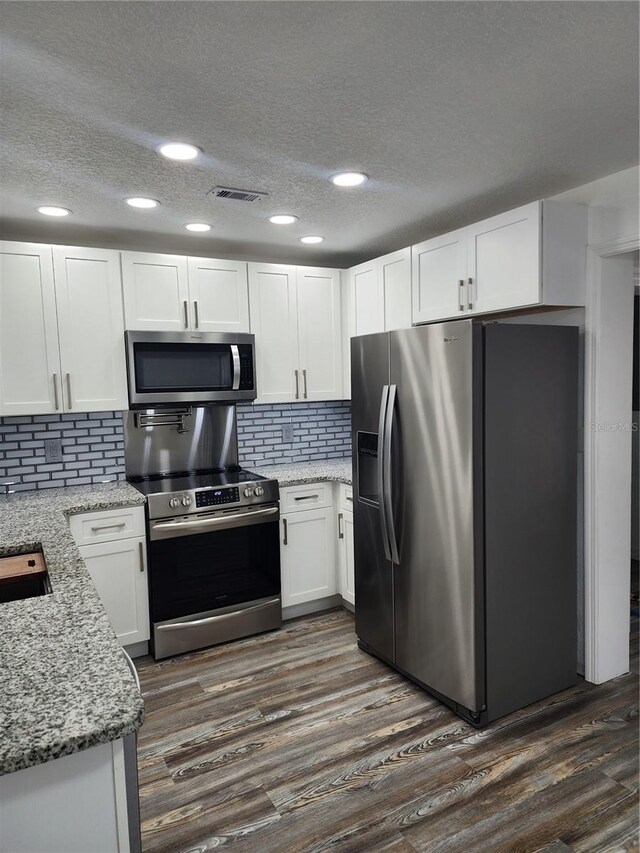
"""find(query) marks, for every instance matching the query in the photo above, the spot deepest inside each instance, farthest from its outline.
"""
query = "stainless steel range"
(213, 543)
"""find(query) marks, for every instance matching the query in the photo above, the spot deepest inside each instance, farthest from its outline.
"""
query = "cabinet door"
(346, 557)
(504, 260)
(29, 356)
(319, 333)
(395, 271)
(91, 329)
(307, 553)
(439, 270)
(274, 321)
(119, 571)
(367, 298)
(219, 295)
(156, 292)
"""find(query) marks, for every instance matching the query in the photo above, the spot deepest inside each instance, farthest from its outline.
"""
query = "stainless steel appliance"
(465, 473)
(213, 529)
(178, 368)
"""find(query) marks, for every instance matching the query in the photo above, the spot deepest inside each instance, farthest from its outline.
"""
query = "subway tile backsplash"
(92, 450)
(293, 432)
(93, 443)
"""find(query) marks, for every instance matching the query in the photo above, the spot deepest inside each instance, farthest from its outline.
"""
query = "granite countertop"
(295, 473)
(65, 683)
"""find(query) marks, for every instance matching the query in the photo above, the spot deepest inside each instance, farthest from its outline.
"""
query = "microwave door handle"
(384, 529)
(235, 355)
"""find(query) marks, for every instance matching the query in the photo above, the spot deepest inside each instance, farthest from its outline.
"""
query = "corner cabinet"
(61, 330)
(295, 316)
(171, 293)
(528, 257)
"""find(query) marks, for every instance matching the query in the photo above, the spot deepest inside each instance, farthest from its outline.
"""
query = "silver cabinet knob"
(174, 502)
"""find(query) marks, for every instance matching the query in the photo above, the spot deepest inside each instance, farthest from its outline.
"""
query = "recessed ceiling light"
(349, 179)
(144, 203)
(311, 239)
(283, 219)
(54, 211)
(198, 226)
(179, 151)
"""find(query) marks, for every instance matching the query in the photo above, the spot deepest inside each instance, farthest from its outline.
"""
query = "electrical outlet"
(53, 449)
(287, 434)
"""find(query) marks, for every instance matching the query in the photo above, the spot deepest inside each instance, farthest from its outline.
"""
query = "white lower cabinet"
(346, 560)
(118, 569)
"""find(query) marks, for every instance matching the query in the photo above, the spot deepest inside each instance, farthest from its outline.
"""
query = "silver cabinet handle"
(235, 355)
(194, 623)
(141, 549)
(195, 312)
(295, 373)
(307, 498)
(340, 530)
(285, 540)
(56, 398)
(69, 389)
(461, 295)
(470, 303)
(304, 383)
(349, 498)
(185, 305)
(384, 399)
(95, 527)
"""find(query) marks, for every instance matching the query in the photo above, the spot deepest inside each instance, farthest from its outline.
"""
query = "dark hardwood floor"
(297, 741)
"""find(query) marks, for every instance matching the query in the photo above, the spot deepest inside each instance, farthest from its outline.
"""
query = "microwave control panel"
(246, 367)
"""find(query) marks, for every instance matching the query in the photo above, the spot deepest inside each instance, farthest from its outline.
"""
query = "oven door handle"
(193, 623)
(159, 529)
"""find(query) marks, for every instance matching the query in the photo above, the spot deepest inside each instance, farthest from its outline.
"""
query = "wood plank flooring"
(298, 742)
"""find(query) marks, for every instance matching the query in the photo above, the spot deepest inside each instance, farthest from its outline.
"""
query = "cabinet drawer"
(345, 497)
(106, 525)
(309, 496)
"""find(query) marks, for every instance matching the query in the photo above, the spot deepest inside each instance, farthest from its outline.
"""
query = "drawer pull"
(307, 498)
(96, 527)
(340, 530)
(285, 541)
(349, 498)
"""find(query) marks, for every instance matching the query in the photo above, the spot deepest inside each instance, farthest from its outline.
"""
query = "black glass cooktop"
(184, 481)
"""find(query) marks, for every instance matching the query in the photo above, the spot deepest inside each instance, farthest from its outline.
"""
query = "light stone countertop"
(296, 473)
(65, 683)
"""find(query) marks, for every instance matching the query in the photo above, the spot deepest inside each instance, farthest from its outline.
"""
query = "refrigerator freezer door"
(436, 423)
(373, 570)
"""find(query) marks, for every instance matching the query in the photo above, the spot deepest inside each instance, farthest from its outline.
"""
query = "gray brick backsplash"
(93, 443)
(92, 450)
(320, 431)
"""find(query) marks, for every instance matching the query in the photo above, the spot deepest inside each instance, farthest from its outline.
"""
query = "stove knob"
(259, 491)
(174, 502)
(186, 500)
(248, 492)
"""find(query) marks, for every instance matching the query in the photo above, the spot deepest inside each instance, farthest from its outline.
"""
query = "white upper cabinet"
(91, 326)
(319, 333)
(531, 256)
(29, 354)
(367, 297)
(156, 292)
(274, 321)
(395, 276)
(169, 293)
(219, 295)
(61, 330)
(295, 316)
(439, 277)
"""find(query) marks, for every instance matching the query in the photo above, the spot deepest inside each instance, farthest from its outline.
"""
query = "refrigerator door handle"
(381, 468)
(388, 435)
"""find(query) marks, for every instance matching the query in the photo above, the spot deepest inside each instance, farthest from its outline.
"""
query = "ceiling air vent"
(236, 194)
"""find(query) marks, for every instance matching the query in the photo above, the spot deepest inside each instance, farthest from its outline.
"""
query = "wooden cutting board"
(22, 566)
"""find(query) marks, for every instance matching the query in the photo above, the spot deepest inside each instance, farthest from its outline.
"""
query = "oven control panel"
(214, 497)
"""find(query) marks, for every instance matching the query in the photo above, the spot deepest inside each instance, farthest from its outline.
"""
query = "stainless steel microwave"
(188, 368)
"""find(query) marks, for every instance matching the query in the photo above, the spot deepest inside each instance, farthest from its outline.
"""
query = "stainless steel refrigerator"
(465, 494)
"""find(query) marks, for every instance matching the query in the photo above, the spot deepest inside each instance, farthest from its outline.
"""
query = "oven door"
(213, 577)
(169, 368)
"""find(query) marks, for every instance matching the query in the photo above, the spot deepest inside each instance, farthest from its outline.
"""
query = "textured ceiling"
(455, 110)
